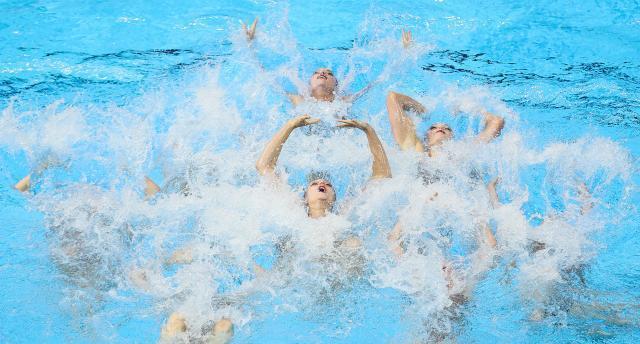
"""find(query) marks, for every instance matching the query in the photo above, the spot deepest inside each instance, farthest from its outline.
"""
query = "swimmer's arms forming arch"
(404, 130)
(266, 164)
(380, 167)
(402, 126)
(406, 43)
(493, 125)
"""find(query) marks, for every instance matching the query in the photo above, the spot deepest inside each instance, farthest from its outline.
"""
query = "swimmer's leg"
(221, 333)
(50, 161)
(150, 187)
(175, 326)
(181, 256)
(24, 184)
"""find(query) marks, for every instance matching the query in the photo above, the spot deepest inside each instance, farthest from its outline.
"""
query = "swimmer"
(320, 195)
(51, 161)
(323, 85)
(176, 325)
(486, 247)
(543, 250)
(404, 130)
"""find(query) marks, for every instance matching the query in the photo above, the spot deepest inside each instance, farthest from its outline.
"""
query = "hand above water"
(406, 38)
(352, 123)
(251, 31)
(302, 121)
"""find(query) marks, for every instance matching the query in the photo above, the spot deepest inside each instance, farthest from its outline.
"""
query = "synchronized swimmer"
(320, 196)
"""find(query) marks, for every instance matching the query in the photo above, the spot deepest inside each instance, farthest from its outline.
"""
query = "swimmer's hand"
(493, 193)
(352, 123)
(492, 184)
(302, 121)
(380, 167)
(406, 38)
(251, 31)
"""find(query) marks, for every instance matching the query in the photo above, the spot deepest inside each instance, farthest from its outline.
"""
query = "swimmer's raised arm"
(352, 98)
(24, 184)
(380, 167)
(406, 42)
(406, 38)
(295, 99)
(266, 164)
(493, 193)
(403, 128)
(487, 235)
(251, 31)
(150, 187)
(487, 238)
(393, 238)
(585, 198)
(493, 125)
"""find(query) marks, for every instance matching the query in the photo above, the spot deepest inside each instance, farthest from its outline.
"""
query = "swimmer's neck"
(317, 212)
(323, 94)
(433, 151)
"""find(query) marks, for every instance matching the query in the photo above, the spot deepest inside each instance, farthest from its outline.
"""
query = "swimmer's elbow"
(264, 169)
(496, 122)
(261, 167)
(392, 97)
(381, 176)
(500, 121)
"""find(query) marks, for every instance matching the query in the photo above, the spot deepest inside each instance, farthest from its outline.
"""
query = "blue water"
(126, 75)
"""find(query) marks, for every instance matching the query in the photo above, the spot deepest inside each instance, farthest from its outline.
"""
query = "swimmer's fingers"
(406, 38)
(418, 108)
(310, 121)
(583, 190)
(347, 123)
(495, 181)
(251, 31)
(303, 120)
(352, 123)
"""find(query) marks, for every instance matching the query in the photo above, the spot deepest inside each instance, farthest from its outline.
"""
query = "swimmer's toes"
(150, 188)
(222, 332)
(175, 325)
(24, 184)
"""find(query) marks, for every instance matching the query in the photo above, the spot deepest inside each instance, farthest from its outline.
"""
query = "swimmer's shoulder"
(295, 99)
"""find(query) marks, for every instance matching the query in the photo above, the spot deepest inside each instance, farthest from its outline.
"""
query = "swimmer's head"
(319, 194)
(323, 84)
(438, 133)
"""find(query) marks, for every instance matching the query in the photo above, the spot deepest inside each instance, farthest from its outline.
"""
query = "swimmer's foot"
(221, 333)
(536, 315)
(181, 256)
(150, 187)
(140, 278)
(175, 326)
(24, 184)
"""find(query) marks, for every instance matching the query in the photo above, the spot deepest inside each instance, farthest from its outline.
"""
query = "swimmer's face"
(320, 191)
(439, 133)
(323, 77)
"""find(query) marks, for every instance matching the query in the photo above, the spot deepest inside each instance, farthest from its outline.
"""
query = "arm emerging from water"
(402, 126)
(251, 30)
(266, 164)
(493, 125)
(380, 167)
(406, 43)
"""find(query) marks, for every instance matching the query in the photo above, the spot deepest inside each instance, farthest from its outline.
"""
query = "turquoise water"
(172, 90)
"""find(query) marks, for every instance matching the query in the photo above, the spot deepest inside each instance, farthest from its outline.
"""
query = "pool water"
(96, 96)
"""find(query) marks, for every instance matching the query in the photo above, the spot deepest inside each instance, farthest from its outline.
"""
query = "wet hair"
(331, 71)
(316, 175)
